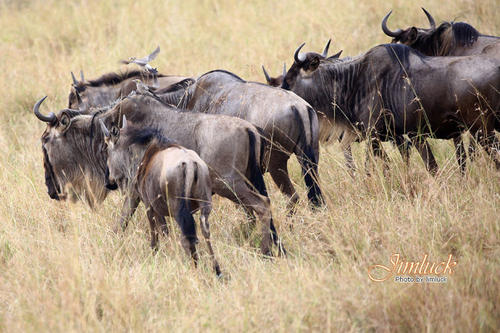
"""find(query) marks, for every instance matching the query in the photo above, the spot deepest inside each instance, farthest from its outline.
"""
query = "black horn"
(51, 118)
(325, 50)
(430, 18)
(81, 76)
(75, 81)
(104, 129)
(297, 56)
(386, 30)
(268, 78)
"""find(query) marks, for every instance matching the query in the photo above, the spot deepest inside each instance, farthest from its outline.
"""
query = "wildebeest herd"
(172, 141)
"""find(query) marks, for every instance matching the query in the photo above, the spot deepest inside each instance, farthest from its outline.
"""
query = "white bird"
(144, 62)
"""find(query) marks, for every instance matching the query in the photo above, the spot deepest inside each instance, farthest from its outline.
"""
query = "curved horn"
(48, 119)
(325, 50)
(386, 30)
(75, 81)
(124, 122)
(81, 76)
(268, 78)
(297, 56)
(284, 70)
(430, 18)
(104, 129)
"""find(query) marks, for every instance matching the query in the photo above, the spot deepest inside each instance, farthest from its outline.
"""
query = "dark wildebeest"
(169, 179)
(112, 86)
(448, 39)
(289, 123)
(393, 90)
(74, 153)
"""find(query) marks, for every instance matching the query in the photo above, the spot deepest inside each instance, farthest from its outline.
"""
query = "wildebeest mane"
(225, 72)
(144, 136)
(400, 54)
(113, 78)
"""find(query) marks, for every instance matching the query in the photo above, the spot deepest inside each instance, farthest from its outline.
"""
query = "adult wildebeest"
(288, 123)
(74, 152)
(448, 39)
(169, 179)
(393, 90)
(111, 86)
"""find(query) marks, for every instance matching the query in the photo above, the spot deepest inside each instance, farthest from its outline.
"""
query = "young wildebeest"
(449, 39)
(169, 179)
(289, 123)
(74, 153)
(111, 86)
(393, 90)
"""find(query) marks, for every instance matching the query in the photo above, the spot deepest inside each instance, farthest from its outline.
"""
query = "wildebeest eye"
(64, 120)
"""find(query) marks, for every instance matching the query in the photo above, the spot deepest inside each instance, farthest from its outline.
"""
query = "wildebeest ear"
(412, 36)
(115, 132)
(313, 64)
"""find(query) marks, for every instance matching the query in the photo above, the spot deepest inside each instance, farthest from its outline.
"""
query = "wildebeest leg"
(404, 149)
(491, 146)
(349, 161)
(160, 220)
(205, 230)
(279, 172)
(460, 153)
(261, 205)
(152, 225)
(425, 151)
(184, 218)
(130, 204)
(374, 146)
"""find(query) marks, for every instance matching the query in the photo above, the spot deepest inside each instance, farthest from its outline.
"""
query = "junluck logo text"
(398, 267)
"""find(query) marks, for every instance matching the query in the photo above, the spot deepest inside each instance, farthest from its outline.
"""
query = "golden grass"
(63, 269)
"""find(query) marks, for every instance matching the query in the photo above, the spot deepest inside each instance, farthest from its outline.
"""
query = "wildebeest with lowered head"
(111, 86)
(289, 123)
(169, 179)
(75, 152)
(448, 39)
(393, 90)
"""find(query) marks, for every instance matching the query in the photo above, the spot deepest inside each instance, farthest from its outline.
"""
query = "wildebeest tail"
(256, 178)
(184, 217)
(307, 151)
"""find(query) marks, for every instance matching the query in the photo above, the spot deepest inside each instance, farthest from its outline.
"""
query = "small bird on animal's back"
(144, 62)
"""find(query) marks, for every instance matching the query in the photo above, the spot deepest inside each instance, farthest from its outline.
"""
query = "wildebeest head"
(70, 154)
(304, 67)
(125, 147)
(442, 40)
(119, 158)
(278, 80)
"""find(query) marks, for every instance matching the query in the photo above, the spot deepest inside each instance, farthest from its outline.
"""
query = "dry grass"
(62, 268)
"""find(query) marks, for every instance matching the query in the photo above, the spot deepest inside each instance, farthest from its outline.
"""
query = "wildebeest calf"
(169, 179)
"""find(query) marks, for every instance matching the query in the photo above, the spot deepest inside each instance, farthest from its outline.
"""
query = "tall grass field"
(63, 269)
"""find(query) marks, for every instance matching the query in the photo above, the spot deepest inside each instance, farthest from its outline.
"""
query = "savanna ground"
(63, 269)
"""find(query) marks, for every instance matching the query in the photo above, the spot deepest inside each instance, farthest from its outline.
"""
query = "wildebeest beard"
(53, 187)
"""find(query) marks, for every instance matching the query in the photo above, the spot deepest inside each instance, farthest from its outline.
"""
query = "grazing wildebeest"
(75, 153)
(169, 179)
(289, 123)
(393, 90)
(112, 86)
(448, 39)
